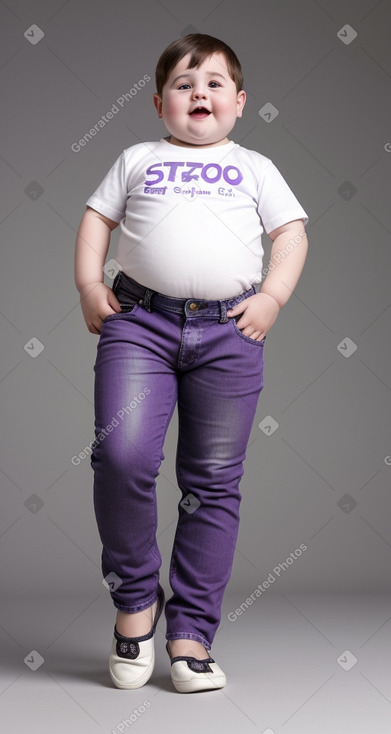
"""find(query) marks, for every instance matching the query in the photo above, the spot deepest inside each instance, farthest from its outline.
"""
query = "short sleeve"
(110, 197)
(277, 204)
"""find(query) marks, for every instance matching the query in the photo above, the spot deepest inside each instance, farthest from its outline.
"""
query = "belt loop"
(147, 299)
(223, 312)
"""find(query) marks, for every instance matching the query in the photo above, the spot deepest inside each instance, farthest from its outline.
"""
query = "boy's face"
(209, 86)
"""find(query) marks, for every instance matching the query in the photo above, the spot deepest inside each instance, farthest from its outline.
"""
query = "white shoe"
(189, 674)
(132, 659)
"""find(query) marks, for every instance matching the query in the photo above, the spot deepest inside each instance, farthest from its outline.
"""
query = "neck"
(183, 144)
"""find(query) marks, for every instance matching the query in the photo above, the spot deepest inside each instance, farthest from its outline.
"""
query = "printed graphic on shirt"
(181, 173)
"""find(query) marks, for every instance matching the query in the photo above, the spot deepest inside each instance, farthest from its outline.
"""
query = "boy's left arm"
(287, 258)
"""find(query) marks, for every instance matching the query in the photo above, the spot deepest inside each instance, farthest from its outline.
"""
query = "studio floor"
(295, 664)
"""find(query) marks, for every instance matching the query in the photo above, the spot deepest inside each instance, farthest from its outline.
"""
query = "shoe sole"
(195, 684)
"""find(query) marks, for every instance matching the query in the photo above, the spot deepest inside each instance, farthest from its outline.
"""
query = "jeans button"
(193, 306)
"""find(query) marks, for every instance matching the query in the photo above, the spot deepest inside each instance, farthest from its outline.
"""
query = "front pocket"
(245, 338)
(128, 301)
(126, 311)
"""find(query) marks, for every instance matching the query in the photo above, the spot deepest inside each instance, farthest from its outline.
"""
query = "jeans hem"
(138, 607)
(188, 636)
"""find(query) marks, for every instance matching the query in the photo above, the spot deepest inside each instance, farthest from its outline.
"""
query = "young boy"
(182, 324)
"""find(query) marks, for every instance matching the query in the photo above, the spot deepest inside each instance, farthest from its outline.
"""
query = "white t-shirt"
(191, 219)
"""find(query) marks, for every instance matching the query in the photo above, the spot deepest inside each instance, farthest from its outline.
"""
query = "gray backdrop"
(320, 474)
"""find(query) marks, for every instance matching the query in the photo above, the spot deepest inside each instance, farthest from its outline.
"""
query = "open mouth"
(200, 112)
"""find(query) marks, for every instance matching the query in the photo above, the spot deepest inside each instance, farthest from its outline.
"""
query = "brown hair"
(200, 46)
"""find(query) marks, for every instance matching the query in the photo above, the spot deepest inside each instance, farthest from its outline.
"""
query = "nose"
(198, 91)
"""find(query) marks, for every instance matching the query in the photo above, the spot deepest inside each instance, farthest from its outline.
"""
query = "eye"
(186, 84)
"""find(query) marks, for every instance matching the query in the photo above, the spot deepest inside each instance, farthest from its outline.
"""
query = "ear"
(158, 102)
(241, 101)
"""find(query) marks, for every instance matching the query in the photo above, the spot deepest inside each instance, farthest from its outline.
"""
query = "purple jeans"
(157, 352)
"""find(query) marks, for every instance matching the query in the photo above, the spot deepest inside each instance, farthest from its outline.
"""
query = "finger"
(256, 336)
(241, 325)
(236, 309)
(236, 312)
(252, 334)
(114, 303)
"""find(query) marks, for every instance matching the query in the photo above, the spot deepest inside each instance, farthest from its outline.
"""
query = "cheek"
(224, 107)
(172, 107)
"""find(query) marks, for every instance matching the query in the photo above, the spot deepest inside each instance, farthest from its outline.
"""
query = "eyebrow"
(210, 73)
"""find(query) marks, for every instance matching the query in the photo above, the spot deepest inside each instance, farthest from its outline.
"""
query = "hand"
(259, 314)
(97, 301)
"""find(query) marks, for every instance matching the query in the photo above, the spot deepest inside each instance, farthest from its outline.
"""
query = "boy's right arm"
(92, 243)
